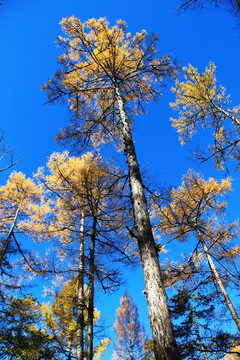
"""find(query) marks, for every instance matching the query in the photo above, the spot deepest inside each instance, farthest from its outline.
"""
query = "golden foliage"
(200, 102)
(60, 317)
(195, 98)
(20, 193)
(98, 59)
(100, 349)
(191, 204)
(235, 349)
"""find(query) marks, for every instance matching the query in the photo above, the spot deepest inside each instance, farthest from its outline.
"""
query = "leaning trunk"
(165, 347)
(80, 300)
(91, 293)
(197, 332)
(7, 241)
(219, 281)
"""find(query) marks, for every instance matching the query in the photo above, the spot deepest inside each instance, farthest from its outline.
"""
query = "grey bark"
(165, 347)
(219, 281)
(80, 299)
(90, 319)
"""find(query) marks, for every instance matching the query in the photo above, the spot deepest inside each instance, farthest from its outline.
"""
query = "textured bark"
(165, 347)
(91, 293)
(80, 301)
(219, 282)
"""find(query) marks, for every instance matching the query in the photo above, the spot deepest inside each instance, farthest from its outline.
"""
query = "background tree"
(21, 336)
(130, 333)
(199, 328)
(85, 215)
(107, 76)
(194, 209)
(61, 322)
(18, 199)
(202, 104)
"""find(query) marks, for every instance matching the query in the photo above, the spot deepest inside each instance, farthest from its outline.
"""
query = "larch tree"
(18, 199)
(194, 210)
(201, 103)
(62, 325)
(107, 75)
(130, 333)
(84, 214)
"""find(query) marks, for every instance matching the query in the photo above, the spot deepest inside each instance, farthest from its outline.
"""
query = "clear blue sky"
(28, 58)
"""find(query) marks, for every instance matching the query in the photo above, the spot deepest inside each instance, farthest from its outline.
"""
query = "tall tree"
(84, 213)
(194, 209)
(201, 103)
(106, 76)
(18, 199)
(130, 333)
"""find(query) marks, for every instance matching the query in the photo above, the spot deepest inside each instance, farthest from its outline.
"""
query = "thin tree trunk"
(7, 241)
(165, 347)
(91, 293)
(80, 300)
(219, 281)
(197, 332)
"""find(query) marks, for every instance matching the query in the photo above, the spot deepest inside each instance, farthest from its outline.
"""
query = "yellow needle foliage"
(195, 210)
(60, 318)
(191, 204)
(200, 102)
(69, 184)
(20, 193)
(98, 59)
(235, 349)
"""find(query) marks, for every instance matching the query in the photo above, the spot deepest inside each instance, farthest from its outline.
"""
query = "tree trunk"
(219, 281)
(7, 241)
(91, 293)
(80, 300)
(165, 347)
(197, 332)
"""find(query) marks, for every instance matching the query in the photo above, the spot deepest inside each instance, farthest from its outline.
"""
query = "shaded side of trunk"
(80, 299)
(90, 319)
(219, 282)
(165, 347)
(3, 251)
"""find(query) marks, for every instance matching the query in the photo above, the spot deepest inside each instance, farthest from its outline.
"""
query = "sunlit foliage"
(61, 321)
(97, 59)
(201, 103)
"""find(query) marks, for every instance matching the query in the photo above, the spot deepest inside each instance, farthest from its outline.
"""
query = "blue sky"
(28, 58)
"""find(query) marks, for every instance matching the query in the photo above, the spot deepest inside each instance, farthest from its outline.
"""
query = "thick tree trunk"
(7, 241)
(219, 281)
(91, 293)
(80, 301)
(165, 347)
